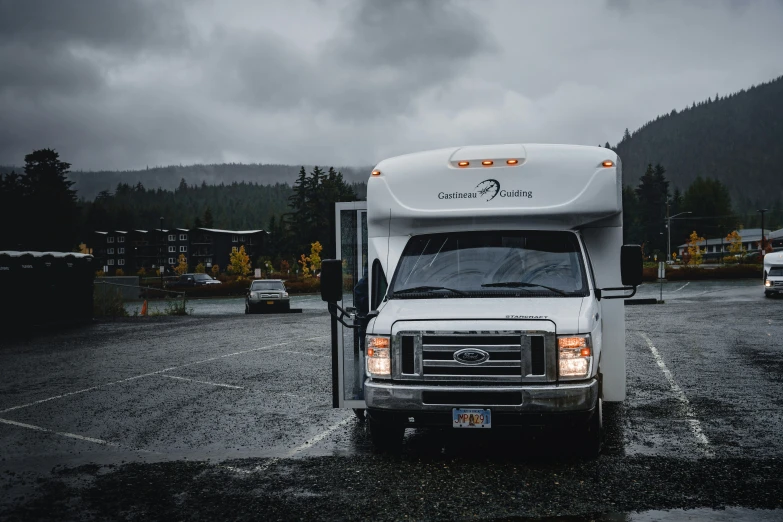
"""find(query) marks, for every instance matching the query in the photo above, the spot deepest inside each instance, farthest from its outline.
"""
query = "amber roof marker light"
(376, 172)
(608, 163)
(487, 163)
(512, 162)
(463, 163)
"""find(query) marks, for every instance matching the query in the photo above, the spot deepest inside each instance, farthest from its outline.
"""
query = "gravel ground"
(228, 416)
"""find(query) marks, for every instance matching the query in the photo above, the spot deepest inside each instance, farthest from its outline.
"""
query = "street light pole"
(762, 228)
(160, 252)
(669, 231)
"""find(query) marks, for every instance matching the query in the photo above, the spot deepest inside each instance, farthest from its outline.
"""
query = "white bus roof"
(773, 259)
(547, 186)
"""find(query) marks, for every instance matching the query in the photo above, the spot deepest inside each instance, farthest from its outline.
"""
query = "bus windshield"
(491, 264)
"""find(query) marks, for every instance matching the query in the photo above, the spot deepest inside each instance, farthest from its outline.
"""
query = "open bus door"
(347, 331)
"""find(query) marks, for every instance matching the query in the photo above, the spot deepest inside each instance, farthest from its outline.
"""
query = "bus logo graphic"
(487, 187)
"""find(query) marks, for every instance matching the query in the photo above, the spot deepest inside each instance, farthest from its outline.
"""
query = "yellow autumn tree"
(695, 253)
(315, 256)
(304, 262)
(215, 270)
(182, 265)
(200, 269)
(734, 239)
(239, 263)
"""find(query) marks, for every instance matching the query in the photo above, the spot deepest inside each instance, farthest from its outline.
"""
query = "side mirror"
(332, 280)
(631, 265)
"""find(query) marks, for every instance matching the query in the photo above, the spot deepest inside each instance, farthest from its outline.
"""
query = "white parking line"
(693, 422)
(77, 392)
(683, 286)
(92, 388)
(203, 382)
(305, 445)
(61, 433)
(305, 353)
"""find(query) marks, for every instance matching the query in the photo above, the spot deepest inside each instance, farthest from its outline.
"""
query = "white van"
(474, 289)
(773, 273)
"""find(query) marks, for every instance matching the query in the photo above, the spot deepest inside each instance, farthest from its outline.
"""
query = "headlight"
(378, 356)
(285, 294)
(575, 355)
(767, 283)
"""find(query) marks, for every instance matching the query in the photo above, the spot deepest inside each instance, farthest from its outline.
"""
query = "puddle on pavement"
(676, 515)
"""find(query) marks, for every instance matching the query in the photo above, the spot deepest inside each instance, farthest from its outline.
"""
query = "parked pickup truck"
(192, 280)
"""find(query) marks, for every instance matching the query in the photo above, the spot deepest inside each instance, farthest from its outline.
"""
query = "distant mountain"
(89, 184)
(737, 139)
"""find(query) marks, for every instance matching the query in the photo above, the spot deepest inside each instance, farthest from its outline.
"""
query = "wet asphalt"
(222, 415)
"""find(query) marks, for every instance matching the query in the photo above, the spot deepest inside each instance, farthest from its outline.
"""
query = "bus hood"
(565, 313)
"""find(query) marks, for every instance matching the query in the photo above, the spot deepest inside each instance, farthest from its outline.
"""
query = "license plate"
(462, 418)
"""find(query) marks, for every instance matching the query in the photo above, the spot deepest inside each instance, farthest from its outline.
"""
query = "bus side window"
(379, 285)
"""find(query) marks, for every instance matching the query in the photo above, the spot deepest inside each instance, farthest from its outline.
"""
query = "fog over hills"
(735, 138)
(90, 184)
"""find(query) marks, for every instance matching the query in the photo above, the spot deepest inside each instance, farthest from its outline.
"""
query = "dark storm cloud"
(384, 55)
(259, 70)
(129, 25)
(64, 48)
(129, 83)
(391, 52)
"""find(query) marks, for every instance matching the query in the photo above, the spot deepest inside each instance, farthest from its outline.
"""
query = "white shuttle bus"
(773, 273)
(479, 287)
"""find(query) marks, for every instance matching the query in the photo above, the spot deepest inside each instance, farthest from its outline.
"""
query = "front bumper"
(275, 301)
(535, 399)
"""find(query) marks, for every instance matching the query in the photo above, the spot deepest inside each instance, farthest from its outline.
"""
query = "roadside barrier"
(110, 302)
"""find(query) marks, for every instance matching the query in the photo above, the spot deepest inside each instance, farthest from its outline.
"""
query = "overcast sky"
(120, 84)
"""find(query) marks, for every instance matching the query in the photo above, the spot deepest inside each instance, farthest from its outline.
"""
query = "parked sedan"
(267, 294)
(191, 280)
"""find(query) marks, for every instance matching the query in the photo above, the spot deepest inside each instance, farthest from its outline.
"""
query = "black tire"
(359, 412)
(287, 306)
(767, 294)
(592, 438)
(247, 308)
(386, 438)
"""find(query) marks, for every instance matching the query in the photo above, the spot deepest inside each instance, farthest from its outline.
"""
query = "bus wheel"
(590, 446)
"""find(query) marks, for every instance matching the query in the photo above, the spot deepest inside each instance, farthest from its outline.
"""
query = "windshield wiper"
(519, 284)
(428, 289)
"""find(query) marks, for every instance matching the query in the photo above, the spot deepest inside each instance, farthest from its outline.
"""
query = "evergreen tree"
(710, 201)
(653, 193)
(632, 233)
(47, 192)
(11, 207)
(208, 218)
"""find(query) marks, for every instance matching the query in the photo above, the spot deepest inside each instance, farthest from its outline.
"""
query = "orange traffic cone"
(144, 308)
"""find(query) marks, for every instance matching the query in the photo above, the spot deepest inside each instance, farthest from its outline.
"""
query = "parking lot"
(226, 415)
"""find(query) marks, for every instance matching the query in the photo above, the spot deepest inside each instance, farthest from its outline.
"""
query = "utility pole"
(762, 228)
(669, 229)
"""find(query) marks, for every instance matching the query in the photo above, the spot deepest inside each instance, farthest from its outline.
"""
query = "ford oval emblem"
(471, 356)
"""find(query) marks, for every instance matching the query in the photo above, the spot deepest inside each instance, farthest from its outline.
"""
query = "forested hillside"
(736, 139)
(235, 206)
(89, 184)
